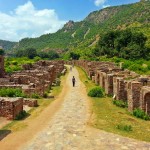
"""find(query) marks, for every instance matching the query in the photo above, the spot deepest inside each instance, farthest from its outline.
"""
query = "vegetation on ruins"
(21, 115)
(11, 92)
(96, 92)
(120, 103)
(15, 64)
(140, 114)
(35, 95)
(111, 118)
(139, 66)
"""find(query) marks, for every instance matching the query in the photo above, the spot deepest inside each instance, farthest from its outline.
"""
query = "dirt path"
(65, 127)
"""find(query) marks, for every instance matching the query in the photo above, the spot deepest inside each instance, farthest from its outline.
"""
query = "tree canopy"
(124, 44)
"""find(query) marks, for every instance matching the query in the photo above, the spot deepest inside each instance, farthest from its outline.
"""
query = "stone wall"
(124, 85)
(10, 107)
(35, 78)
(145, 99)
(30, 102)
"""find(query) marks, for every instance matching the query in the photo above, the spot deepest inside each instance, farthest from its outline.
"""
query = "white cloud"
(26, 21)
(105, 6)
(99, 2)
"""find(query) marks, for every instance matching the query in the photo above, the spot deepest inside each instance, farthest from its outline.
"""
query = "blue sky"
(32, 18)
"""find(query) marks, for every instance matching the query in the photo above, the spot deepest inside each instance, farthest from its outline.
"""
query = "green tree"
(2, 52)
(74, 56)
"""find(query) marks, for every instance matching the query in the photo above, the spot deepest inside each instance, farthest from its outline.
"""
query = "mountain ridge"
(78, 35)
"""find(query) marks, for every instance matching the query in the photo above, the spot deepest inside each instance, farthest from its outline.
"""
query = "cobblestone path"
(68, 128)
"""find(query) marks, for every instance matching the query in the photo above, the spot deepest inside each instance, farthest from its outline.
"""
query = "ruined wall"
(145, 99)
(134, 89)
(10, 107)
(122, 84)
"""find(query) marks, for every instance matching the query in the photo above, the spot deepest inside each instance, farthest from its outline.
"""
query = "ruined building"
(123, 85)
(33, 79)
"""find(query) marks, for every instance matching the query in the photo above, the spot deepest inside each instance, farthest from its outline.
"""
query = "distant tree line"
(31, 53)
(124, 44)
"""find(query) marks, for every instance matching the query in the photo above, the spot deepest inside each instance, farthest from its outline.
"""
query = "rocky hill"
(7, 45)
(87, 32)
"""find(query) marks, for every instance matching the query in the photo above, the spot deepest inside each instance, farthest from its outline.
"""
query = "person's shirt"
(73, 79)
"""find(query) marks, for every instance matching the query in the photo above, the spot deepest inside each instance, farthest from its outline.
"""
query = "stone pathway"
(68, 129)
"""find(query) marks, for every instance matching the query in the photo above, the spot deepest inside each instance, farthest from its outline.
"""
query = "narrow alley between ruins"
(68, 129)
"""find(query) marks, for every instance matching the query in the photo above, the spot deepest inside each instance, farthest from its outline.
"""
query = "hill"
(7, 45)
(84, 34)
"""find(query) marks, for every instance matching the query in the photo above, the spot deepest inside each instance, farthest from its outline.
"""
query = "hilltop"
(84, 34)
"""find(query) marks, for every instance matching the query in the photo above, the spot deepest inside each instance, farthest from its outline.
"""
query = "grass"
(17, 125)
(110, 118)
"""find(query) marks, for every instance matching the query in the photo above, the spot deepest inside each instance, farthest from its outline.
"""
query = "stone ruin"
(123, 85)
(34, 78)
(2, 70)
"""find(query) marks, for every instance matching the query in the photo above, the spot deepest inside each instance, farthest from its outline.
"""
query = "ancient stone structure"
(30, 102)
(123, 85)
(33, 79)
(10, 107)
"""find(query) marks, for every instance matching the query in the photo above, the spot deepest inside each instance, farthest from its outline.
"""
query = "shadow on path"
(4, 133)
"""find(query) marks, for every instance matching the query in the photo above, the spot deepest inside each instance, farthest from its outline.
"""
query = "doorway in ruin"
(103, 82)
(98, 80)
(147, 103)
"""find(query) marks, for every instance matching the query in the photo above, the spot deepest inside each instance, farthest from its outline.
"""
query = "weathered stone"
(10, 107)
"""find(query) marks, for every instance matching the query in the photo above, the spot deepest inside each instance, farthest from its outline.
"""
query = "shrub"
(21, 115)
(35, 95)
(96, 92)
(124, 127)
(140, 114)
(120, 103)
(11, 92)
(45, 95)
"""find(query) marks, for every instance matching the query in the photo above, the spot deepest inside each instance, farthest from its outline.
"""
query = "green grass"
(110, 118)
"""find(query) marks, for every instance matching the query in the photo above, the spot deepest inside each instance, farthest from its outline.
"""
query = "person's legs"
(73, 84)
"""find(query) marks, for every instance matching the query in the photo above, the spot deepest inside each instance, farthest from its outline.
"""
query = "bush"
(96, 92)
(140, 114)
(124, 127)
(45, 95)
(21, 115)
(120, 103)
(11, 92)
(35, 95)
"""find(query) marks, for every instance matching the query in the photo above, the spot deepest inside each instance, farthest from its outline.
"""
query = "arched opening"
(147, 103)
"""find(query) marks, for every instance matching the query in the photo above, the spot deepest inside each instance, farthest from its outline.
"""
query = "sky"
(33, 18)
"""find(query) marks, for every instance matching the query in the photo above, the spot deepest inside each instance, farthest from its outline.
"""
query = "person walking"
(73, 81)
